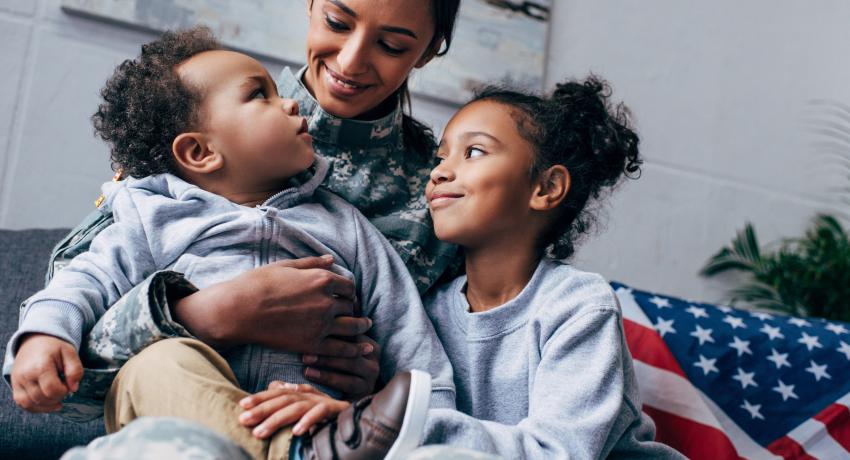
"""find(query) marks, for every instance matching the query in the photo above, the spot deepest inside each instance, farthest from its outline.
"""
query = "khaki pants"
(186, 378)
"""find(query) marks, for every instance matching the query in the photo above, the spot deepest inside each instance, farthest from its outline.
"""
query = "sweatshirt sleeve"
(577, 406)
(119, 258)
(399, 324)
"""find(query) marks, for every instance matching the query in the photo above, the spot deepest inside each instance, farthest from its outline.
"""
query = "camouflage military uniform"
(373, 171)
(155, 438)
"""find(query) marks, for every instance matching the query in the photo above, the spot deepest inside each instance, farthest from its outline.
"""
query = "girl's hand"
(354, 377)
(283, 404)
(292, 305)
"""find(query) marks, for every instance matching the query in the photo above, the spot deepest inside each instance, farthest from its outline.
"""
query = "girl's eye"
(474, 152)
(259, 93)
(335, 25)
(391, 49)
(438, 160)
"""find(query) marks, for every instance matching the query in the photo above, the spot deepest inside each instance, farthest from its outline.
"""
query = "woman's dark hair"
(418, 137)
(146, 105)
(577, 127)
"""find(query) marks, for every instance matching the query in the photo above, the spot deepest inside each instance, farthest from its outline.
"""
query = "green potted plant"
(806, 276)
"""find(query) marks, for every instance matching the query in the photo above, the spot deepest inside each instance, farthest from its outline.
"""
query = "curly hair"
(577, 127)
(146, 105)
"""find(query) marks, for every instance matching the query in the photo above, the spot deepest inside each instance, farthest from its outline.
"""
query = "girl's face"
(360, 51)
(480, 190)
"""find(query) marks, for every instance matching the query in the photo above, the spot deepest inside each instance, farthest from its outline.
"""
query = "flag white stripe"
(630, 308)
(814, 438)
(672, 393)
(844, 401)
(744, 444)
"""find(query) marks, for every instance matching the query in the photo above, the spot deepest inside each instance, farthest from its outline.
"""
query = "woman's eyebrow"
(343, 7)
(394, 29)
(400, 30)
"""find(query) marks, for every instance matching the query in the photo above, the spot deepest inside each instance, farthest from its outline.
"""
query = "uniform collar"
(324, 127)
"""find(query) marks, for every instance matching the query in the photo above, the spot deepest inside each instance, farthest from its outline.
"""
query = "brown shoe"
(386, 425)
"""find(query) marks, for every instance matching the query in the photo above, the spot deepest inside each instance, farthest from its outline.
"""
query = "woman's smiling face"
(480, 191)
(360, 51)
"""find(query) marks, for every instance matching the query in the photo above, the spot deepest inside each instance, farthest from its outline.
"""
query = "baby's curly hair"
(146, 105)
(577, 127)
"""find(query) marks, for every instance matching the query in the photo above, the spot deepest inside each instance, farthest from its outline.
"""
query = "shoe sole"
(415, 413)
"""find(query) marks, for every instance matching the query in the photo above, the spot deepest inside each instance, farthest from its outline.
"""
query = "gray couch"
(23, 261)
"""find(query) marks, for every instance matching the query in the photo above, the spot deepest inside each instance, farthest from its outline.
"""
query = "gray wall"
(720, 91)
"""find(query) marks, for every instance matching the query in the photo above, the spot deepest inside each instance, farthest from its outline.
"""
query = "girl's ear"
(193, 154)
(552, 187)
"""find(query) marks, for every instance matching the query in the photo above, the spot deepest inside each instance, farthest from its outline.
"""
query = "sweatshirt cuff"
(442, 398)
(52, 317)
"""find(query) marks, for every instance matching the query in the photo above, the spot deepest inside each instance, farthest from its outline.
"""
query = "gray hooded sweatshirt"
(163, 222)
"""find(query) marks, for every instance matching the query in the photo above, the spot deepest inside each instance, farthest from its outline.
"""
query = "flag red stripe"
(789, 449)
(647, 346)
(695, 440)
(837, 420)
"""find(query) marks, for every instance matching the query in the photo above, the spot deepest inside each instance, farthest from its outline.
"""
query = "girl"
(540, 361)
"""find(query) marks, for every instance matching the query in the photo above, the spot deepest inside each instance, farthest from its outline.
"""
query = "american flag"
(724, 383)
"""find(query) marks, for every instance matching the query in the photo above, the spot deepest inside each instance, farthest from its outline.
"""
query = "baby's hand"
(285, 403)
(41, 361)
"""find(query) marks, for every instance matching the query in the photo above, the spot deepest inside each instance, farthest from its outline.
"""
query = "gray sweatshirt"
(546, 375)
(163, 222)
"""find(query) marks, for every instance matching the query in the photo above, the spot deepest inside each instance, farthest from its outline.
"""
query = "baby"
(223, 179)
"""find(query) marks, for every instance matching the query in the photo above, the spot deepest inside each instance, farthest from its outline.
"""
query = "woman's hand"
(292, 305)
(354, 377)
(285, 403)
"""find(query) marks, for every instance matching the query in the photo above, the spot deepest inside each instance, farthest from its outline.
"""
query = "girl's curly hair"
(146, 105)
(577, 127)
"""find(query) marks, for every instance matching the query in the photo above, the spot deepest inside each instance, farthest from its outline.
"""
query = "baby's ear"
(551, 189)
(193, 154)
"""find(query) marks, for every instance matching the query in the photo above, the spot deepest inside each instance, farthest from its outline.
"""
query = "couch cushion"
(23, 261)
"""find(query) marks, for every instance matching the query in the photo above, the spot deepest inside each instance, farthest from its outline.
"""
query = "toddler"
(223, 179)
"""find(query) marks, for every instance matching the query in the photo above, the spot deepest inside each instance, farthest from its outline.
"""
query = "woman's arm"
(293, 305)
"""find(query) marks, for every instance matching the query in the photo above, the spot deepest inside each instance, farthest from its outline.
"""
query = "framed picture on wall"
(495, 40)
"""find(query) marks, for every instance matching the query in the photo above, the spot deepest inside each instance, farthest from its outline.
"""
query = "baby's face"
(480, 190)
(260, 136)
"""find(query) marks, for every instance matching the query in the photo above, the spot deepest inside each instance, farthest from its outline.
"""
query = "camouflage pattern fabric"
(156, 438)
(371, 169)
(140, 318)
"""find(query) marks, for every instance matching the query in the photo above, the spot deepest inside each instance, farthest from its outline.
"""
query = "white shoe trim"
(413, 424)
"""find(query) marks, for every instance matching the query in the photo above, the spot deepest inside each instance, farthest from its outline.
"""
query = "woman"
(353, 90)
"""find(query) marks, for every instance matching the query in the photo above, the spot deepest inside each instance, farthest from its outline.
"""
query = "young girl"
(540, 360)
